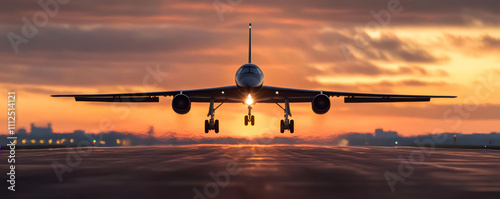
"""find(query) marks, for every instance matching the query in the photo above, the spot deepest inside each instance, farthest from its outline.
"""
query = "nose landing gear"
(249, 118)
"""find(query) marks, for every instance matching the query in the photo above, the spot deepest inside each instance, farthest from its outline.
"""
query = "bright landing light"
(249, 100)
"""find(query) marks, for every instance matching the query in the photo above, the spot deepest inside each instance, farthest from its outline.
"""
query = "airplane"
(250, 90)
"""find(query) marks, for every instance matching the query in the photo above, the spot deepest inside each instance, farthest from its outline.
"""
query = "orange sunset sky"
(88, 46)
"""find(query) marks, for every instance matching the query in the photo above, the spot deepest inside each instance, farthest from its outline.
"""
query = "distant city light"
(94, 141)
(102, 142)
(50, 141)
(118, 141)
(71, 140)
(33, 141)
(42, 141)
(24, 141)
(58, 142)
(396, 142)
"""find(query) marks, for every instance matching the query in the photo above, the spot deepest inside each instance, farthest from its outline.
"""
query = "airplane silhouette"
(249, 89)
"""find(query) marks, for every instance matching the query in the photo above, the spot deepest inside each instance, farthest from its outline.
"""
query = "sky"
(381, 46)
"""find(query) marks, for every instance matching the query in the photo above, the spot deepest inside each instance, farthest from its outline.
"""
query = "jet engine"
(181, 104)
(321, 104)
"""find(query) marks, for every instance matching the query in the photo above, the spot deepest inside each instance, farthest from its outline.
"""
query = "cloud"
(476, 46)
(363, 68)
(389, 48)
(339, 12)
(386, 47)
(491, 43)
(482, 16)
(120, 40)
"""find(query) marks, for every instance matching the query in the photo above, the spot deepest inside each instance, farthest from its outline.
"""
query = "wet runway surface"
(246, 171)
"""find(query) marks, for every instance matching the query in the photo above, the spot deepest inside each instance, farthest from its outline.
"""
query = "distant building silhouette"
(151, 131)
(381, 138)
(79, 133)
(380, 133)
(22, 132)
(359, 139)
(41, 131)
(150, 139)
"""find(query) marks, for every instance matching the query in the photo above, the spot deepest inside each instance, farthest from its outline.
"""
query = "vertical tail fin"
(250, 43)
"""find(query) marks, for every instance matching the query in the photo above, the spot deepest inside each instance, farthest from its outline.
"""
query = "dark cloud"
(389, 47)
(91, 7)
(340, 12)
(491, 42)
(482, 16)
(110, 40)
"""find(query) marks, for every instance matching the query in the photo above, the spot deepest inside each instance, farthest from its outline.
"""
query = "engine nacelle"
(181, 104)
(321, 104)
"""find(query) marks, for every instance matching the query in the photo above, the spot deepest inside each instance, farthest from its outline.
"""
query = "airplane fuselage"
(249, 79)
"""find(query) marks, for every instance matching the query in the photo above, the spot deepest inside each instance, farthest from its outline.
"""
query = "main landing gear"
(249, 118)
(286, 124)
(212, 124)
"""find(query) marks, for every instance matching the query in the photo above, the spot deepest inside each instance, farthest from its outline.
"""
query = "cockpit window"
(249, 69)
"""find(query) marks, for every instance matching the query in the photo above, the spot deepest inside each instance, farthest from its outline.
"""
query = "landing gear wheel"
(206, 126)
(282, 126)
(246, 120)
(252, 120)
(291, 126)
(216, 126)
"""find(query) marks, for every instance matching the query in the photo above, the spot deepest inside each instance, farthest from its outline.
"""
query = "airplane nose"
(249, 81)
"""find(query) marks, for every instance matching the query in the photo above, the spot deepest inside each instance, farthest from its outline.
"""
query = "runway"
(255, 171)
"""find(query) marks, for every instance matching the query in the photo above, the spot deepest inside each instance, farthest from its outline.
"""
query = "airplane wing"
(220, 94)
(271, 94)
(268, 94)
